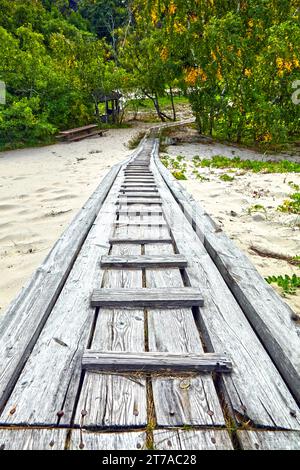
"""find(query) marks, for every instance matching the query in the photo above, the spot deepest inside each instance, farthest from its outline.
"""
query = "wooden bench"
(79, 133)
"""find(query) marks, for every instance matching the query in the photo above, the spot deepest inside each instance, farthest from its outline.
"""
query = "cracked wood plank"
(267, 312)
(27, 314)
(33, 439)
(85, 440)
(255, 390)
(144, 261)
(192, 440)
(147, 298)
(154, 362)
(190, 400)
(47, 387)
(268, 440)
(110, 399)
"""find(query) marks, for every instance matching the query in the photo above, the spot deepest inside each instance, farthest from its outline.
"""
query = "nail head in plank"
(155, 298)
(33, 439)
(144, 261)
(269, 440)
(208, 439)
(154, 362)
(85, 440)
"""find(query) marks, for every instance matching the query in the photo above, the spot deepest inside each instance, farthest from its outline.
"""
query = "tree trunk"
(173, 105)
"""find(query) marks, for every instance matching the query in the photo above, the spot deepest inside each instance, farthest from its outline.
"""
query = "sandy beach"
(41, 189)
(231, 205)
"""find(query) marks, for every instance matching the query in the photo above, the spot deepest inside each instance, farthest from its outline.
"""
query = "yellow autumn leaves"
(286, 65)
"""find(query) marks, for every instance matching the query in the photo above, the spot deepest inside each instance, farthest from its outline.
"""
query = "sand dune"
(41, 189)
(229, 203)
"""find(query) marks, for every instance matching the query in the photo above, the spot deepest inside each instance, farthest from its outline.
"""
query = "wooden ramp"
(141, 330)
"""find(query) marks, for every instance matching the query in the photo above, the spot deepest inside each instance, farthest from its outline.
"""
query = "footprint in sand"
(8, 207)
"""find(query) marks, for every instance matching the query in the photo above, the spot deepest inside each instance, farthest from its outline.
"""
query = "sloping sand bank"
(41, 189)
(231, 204)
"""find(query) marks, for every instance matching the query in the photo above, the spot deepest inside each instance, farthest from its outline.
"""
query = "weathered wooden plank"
(255, 389)
(141, 194)
(192, 440)
(84, 440)
(267, 312)
(139, 185)
(27, 314)
(139, 211)
(144, 261)
(141, 297)
(126, 201)
(136, 189)
(112, 400)
(268, 440)
(33, 439)
(141, 241)
(46, 390)
(178, 401)
(154, 362)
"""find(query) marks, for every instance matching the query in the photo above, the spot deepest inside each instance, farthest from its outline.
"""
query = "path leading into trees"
(146, 327)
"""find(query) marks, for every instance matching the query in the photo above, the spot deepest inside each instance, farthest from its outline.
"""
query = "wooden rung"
(155, 362)
(141, 224)
(139, 185)
(183, 297)
(131, 194)
(127, 201)
(141, 241)
(132, 211)
(139, 190)
(144, 261)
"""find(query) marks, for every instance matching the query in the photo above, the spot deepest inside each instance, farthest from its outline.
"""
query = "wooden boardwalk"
(146, 327)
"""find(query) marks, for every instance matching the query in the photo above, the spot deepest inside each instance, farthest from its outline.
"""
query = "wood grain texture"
(268, 440)
(33, 439)
(46, 390)
(136, 194)
(84, 440)
(140, 241)
(146, 298)
(123, 200)
(112, 400)
(178, 401)
(27, 314)
(154, 362)
(255, 389)
(267, 312)
(144, 261)
(192, 440)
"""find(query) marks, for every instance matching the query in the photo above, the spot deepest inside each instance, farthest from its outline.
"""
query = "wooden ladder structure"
(135, 333)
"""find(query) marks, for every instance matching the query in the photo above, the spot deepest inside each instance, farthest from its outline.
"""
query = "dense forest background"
(236, 61)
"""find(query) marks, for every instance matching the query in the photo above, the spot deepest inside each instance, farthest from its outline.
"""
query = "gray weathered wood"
(268, 440)
(154, 362)
(139, 211)
(192, 440)
(144, 261)
(136, 189)
(112, 400)
(123, 200)
(177, 402)
(267, 312)
(141, 194)
(255, 390)
(141, 241)
(84, 440)
(47, 388)
(27, 314)
(158, 298)
(33, 439)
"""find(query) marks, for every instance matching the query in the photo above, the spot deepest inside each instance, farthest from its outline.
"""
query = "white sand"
(228, 204)
(41, 190)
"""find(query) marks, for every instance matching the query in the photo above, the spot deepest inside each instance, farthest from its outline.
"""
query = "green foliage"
(179, 175)
(226, 178)
(54, 68)
(289, 285)
(291, 205)
(219, 161)
(256, 208)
